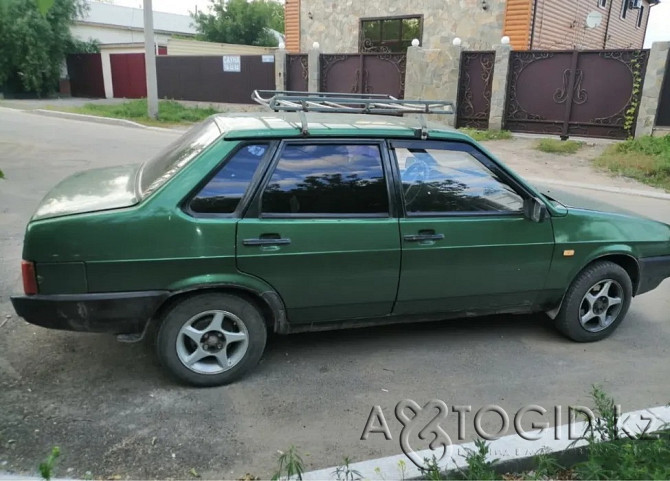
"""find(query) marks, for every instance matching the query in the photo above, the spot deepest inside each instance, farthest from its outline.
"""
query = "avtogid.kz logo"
(426, 427)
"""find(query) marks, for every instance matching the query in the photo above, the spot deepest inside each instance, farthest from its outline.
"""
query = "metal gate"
(663, 113)
(297, 72)
(128, 75)
(593, 93)
(364, 73)
(474, 89)
(85, 73)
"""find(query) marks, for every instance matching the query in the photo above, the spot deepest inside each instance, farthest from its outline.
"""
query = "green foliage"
(169, 112)
(33, 45)
(480, 135)
(546, 467)
(431, 470)
(83, 46)
(2, 174)
(44, 5)
(554, 146)
(47, 467)
(631, 112)
(241, 22)
(345, 473)
(290, 464)
(478, 466)
(646, 159)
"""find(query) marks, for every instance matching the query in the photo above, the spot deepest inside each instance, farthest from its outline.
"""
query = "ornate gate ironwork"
(364, 73)
(474, 89)
(663, 112)
(593, 93)
(296, 72)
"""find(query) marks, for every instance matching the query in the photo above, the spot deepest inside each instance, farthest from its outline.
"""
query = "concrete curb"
(99, 120)
(505, 449)
(614, 190)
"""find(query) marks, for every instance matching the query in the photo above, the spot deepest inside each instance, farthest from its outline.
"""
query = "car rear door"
(466, 245)
(322, 232)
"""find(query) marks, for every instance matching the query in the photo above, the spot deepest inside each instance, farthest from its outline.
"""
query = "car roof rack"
(331, 102)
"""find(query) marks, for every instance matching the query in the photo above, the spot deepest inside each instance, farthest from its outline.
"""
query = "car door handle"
(422, 237)
(266, 241)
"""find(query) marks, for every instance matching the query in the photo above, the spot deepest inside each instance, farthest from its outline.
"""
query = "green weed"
(169, 112)
(646, 159)
(554, 146)
(290, 465)
(480, 135)
(345, 473)
(47, 467)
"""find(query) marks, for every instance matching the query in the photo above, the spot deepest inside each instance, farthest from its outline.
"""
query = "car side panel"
(592, 235)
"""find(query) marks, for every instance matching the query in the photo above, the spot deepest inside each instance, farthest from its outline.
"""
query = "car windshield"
(155, 172)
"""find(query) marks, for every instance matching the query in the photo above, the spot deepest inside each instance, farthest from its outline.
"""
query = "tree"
(34, 39)
(241, 22)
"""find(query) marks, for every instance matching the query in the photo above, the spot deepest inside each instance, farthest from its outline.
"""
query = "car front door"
(466, 244)
(321, 231)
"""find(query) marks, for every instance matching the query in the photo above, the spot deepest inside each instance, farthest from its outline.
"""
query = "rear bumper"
(116, 313)
(653, 270)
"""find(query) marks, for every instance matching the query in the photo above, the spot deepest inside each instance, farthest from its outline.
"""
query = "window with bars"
(389, 34)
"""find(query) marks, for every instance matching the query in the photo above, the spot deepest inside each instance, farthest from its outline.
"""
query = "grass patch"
(480, 135)
(646, 159)
(554, 146)
(169, 112)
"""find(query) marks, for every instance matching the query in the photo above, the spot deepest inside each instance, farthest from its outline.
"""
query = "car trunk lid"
(90, 191)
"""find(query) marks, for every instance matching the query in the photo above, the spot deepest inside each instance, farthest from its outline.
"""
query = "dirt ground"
(520, 154)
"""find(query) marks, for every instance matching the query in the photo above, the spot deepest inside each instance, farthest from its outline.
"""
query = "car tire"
(595, 303)
(211, 339)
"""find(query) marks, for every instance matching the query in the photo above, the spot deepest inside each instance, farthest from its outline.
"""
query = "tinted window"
(224, 191)
(175, 156)
(327, 179)
(452, 181)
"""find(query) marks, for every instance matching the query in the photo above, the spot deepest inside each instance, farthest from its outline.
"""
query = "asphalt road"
(113, 411)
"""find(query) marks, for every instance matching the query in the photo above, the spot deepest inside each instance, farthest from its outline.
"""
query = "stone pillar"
(314, 72)
(651, 91)
(280, 69)
(499, 87)
(433, 75)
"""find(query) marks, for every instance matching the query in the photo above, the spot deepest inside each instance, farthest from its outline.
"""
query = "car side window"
(327, 179)
(223, 192)
(452, 181)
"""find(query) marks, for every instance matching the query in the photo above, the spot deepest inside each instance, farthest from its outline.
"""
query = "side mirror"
(534, 209)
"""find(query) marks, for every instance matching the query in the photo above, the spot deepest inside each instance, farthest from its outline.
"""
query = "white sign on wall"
(232, 63)
(268, 59)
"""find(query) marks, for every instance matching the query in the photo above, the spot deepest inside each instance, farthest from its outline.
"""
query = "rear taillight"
(29, 278)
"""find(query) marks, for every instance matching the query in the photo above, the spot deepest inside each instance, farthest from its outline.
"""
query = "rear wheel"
(596, 302)
(211, 339)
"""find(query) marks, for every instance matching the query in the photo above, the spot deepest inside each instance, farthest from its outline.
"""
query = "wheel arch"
(268, 302)
(626, 260)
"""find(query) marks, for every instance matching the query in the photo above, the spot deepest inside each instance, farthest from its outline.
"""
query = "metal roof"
(133, 18)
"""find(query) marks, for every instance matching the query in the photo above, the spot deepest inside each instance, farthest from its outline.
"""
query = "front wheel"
(596, 302)
(211, 339)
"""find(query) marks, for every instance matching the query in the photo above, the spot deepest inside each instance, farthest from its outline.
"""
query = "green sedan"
(291, 222)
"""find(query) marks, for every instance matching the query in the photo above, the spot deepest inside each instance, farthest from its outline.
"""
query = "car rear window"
(155, 172)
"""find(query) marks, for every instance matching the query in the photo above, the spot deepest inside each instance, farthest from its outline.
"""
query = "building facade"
(116, 25)
(345, 26)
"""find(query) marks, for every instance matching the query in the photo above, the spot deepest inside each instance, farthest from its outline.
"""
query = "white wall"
(111, 35)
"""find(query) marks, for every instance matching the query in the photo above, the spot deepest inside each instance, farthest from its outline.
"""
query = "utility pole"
(150, 60)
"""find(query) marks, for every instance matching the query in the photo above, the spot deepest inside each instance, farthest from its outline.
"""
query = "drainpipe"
(607, 27)
(532, 26)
